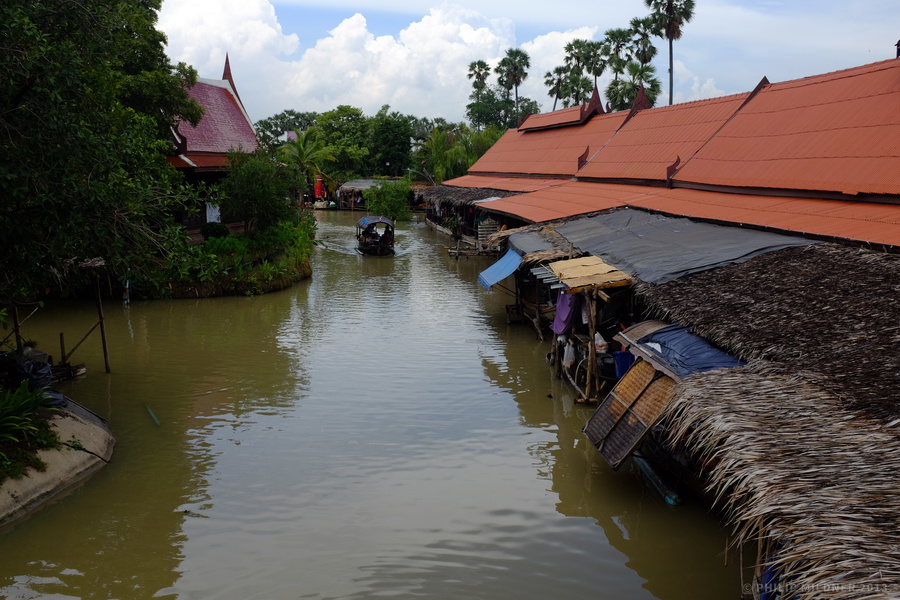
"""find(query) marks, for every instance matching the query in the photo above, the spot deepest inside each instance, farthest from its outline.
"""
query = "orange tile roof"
(836, 132)
(565, 116)
(654, 139)
(551, 152)
(509, 184)
(868, 222)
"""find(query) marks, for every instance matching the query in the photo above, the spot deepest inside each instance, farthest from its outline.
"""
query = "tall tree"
(670, 17)
(617, 44)
(554, 81)
(93, 81)
(642, 29)
(478, 73)
(513, 70)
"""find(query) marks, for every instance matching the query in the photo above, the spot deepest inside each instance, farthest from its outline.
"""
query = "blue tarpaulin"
(500, 270)
(685, 352)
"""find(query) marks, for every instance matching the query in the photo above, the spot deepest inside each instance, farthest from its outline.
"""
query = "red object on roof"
(550, 152)
(653, 140)
(836, 132)
(575, 115)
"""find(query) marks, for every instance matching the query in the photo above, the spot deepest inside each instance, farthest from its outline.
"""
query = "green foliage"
(345, 133)
(23, 431)
(622, 93)
(451, 149)
(86, 106)
(390, 199)
(255, 191)
(214, 230)
(391, 143)
(270, 130)
(306, 155)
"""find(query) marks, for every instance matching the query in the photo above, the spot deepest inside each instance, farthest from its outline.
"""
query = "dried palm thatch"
(791, 463)
(826, 308)
(805, 440)
(448, 194)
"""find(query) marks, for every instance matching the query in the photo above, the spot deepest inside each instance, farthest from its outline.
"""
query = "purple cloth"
(566, 308)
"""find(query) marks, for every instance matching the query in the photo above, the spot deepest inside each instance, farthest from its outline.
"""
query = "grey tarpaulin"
(657, 249)
(526, 242)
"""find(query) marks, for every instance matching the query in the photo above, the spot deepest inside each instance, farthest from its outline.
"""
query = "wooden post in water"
(102, 326)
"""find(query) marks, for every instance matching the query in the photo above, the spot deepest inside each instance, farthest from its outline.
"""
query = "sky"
(314, 55)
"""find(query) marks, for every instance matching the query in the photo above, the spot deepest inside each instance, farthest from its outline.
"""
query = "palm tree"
(622, 93)
(554, 81)
(595, 61)
(618, 48)
(576, 87)
(307, 153)
(478, 71)
(642, 30)
(513, 70)
(669, 17)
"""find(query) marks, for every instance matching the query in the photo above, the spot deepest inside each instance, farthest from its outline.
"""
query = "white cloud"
(421, 69)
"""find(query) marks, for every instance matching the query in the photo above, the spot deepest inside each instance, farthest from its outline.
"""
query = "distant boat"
(375, 236)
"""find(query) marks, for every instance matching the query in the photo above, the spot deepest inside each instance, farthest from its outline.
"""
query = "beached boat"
(375, 236)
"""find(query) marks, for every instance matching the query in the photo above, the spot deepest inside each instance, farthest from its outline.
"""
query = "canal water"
(376, 431)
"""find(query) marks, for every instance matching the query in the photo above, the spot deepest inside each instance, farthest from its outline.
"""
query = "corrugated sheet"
(565, 116)
(860, 221)
(654, 139)
(548, 152)
(510, 184)
(836, 132)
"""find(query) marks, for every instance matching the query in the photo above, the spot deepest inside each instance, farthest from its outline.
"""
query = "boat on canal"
(375, 236)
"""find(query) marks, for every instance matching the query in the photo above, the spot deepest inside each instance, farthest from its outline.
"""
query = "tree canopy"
(86, 111)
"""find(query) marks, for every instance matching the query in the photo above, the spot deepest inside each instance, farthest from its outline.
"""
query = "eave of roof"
(825, 219)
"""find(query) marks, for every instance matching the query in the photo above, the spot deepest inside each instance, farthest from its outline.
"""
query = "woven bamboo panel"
(627, 413)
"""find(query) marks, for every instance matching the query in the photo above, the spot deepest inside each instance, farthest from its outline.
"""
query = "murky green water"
(377, 431)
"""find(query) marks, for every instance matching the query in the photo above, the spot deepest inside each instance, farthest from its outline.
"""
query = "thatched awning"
(805, 444)
(457, 196)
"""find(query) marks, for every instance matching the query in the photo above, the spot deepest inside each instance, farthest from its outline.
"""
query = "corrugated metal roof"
(565, 116)
(653, 140)
(510, 184)
(548, 151)
(861, 221)
(836, 132)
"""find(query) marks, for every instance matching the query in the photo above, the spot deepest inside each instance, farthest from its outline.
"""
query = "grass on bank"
(24, 429)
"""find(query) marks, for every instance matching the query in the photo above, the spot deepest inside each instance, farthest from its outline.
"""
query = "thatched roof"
(805, 443)
(447, 194)
(792, 463)
(827, 309)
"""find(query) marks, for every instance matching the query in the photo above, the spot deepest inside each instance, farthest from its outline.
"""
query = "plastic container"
(624, 359)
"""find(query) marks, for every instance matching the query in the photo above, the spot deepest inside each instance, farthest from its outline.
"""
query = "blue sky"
(314, 55)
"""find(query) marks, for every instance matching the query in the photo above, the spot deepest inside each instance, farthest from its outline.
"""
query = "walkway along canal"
(378, 430)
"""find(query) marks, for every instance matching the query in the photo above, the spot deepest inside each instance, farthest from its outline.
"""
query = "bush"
(215, 230)
(389, 199)
(23, 431)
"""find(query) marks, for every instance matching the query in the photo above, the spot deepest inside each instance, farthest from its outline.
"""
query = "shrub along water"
(23, 431)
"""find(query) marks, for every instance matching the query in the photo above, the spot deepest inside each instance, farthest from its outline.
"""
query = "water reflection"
(376, 430)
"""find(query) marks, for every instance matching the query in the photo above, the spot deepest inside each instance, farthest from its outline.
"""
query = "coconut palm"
(307, 154)
(513, 70)
(554, 81)
(669, 17)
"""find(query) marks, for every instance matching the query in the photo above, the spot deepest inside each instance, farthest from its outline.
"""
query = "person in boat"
(388, 237)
